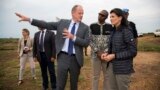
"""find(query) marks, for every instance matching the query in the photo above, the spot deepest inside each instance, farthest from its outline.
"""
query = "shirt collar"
(72, 22)
(101, 24)
(44, 30)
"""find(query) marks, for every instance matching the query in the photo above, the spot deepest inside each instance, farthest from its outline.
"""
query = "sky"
(144, 13)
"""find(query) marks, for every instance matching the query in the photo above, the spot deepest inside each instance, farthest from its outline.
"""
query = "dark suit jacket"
(133, 29)
(49, 45)
(82, 35)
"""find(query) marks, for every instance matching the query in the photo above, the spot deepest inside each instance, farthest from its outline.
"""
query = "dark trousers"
(44, 64)
(67, 64)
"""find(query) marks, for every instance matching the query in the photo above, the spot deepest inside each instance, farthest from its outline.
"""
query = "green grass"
(148, 46)
(8, 43)
(149, 43)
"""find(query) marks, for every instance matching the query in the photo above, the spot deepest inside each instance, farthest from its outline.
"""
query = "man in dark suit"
(44, 51)
(131, 24)
(72, 36)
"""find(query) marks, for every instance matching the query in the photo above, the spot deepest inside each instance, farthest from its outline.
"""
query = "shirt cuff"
(30, 20)
(74, 39)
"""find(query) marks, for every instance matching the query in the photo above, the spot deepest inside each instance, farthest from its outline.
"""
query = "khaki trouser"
(23, 60)
(119, 81)
(97, 67)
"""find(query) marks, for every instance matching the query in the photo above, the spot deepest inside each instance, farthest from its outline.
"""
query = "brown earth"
(146, 76)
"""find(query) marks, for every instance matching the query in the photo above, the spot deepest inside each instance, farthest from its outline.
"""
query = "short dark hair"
(26, 30)
(119, 13)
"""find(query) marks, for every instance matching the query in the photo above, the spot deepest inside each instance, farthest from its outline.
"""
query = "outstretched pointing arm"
(22, 17)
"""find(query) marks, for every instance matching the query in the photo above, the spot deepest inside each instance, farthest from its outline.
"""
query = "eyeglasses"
(102, 15)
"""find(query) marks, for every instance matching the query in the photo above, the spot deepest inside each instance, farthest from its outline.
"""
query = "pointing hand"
(22, 17)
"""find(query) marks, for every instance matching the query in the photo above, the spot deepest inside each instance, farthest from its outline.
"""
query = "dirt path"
(147, 75)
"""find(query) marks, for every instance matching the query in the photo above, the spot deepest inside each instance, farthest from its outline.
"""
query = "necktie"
(41, 44)
(71, 43)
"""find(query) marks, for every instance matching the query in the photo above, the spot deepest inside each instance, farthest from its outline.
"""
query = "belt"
(67, 53)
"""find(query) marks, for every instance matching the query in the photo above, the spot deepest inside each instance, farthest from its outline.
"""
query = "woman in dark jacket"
(122, 49)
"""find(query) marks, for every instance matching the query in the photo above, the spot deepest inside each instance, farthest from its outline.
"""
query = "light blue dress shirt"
(66, 43)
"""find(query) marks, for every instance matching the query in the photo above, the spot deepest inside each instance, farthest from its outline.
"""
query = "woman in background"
(25, 46)
(122, 49)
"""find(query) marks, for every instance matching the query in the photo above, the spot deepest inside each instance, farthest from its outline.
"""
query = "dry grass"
(149, 43)
(147, 69)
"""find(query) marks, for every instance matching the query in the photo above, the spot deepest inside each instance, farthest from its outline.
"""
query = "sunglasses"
(102, 15)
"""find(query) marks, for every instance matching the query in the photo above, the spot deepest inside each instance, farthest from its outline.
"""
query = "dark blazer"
(133, 29)
(49, 45)
(82, 35)
(123, 45)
